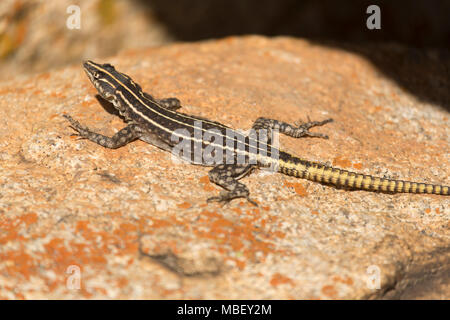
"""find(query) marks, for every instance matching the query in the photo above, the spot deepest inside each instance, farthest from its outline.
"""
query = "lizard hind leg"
(226, 176)
(295, 131)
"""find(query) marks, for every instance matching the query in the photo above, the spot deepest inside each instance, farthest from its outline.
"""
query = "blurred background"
(34, 36)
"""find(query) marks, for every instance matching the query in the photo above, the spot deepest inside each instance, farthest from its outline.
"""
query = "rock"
(81, 221)
(38, 36)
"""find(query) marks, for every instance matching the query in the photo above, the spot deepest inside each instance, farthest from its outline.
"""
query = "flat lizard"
(159, 123)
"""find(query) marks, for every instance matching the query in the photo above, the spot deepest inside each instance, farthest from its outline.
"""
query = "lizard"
(160, 123)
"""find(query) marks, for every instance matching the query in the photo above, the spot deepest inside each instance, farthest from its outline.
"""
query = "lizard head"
(103, 77)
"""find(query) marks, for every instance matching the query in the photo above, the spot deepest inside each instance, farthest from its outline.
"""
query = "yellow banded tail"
(318, 172)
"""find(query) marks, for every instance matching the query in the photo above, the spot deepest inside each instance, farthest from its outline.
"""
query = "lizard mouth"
(91, 77)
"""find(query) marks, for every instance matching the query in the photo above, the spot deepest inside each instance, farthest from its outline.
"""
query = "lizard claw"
(305, 126)
(225, 199)
(252, 202)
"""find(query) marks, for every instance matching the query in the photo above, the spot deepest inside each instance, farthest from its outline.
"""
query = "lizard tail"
(315, 171)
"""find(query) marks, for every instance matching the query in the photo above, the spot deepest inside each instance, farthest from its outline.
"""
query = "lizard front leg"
(168, 103)
(226, 176)
(299, 131)
(121, 138)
